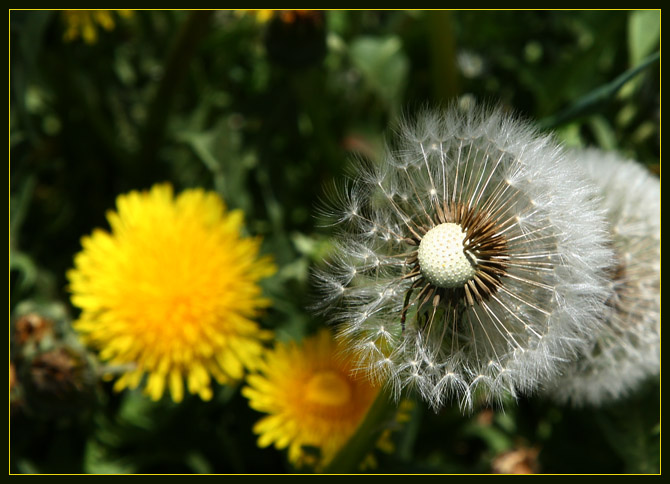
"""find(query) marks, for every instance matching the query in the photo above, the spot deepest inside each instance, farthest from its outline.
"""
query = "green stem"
(176, 67)
(590, 101)
(383, 409)
(444, 68)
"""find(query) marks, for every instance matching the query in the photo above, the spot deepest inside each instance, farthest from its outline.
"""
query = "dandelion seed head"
(492, 247)
(624, 350)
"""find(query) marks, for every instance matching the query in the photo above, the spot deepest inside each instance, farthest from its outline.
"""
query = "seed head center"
(441, 258)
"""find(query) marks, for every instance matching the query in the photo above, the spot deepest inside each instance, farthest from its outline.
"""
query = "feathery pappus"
(626, 350)
(470, 261)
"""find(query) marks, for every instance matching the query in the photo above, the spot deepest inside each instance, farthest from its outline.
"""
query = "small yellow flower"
(312, 399)
(262, 16)
(285, 16)
(171, 292)
(83, 23)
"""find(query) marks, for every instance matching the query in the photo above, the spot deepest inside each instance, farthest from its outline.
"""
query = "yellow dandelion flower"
(84, 23)
(312, 398)
(285, 16)
(171, 292)
(262, 16)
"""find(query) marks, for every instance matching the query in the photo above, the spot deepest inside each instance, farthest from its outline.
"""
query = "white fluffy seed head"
(501, 335)
(442, 259)
(624, 351)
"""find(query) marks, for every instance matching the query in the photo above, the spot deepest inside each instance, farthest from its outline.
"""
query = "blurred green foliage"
(266, 114)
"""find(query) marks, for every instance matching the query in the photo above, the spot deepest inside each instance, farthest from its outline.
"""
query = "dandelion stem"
(591, 100)
(176, 67)
(363, 441)
(443, 56)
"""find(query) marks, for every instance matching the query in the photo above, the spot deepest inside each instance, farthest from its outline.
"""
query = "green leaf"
(136, 410)
(198, 462)
(644, 31)
(496, 439)
(631, 428)
(97, 460)
(383, 65)
(603, 132)
(219, 150)
(24, 265)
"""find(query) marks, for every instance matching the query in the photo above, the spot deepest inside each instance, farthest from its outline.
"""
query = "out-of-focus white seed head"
(442, 258)
(625, 349)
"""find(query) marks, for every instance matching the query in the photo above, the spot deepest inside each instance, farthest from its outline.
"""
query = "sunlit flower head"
(469, 261)
(625, 351)
(171, 292)
(311, 397)
(85, 23)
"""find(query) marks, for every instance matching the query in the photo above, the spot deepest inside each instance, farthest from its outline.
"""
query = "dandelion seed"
(625, 351)
(492, 266)
(171, 292)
